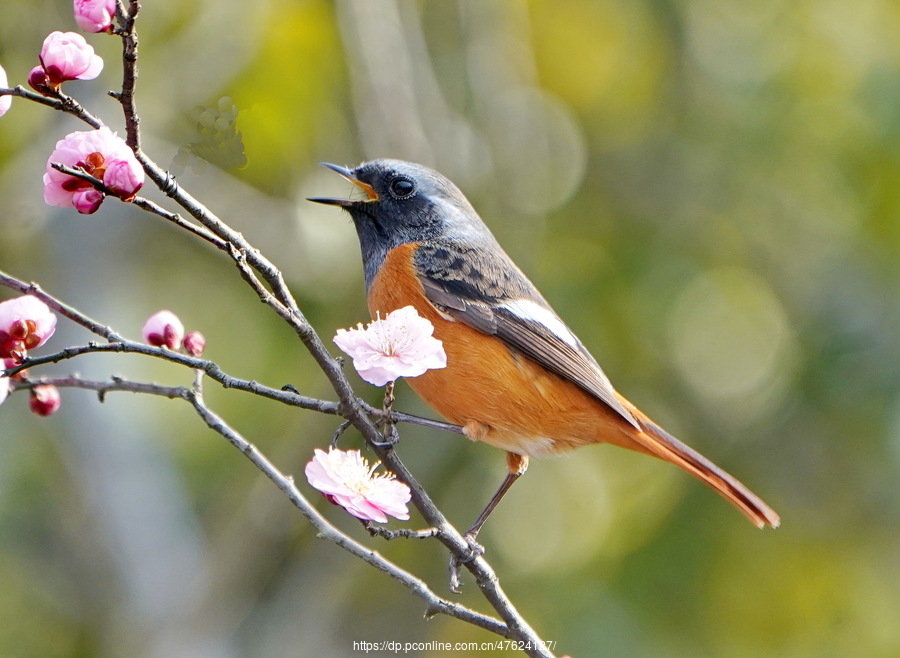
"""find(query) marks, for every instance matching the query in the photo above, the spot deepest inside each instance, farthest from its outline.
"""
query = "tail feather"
(662, 444)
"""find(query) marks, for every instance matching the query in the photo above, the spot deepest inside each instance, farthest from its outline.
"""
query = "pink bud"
(67, 56)
(163, 329)
(45, 400)
(124, 177)
(95, 15)
(86, 200)
(93, 151)
(39, 81)
(5, 101)
(26, 323)
(194, 343)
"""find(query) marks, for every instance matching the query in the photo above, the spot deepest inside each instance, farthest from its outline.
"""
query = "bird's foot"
(390, 434)
(476, 550)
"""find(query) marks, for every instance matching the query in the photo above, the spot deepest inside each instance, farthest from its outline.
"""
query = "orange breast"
(501, 397)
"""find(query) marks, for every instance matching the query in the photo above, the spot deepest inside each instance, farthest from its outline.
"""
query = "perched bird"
(517, 377)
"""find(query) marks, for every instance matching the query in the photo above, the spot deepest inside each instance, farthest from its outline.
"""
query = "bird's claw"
(476, 550)
(391, 437)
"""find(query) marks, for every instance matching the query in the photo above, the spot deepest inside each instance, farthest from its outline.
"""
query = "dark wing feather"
(470, 292)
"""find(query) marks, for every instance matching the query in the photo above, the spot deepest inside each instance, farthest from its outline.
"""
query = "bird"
(517, 377)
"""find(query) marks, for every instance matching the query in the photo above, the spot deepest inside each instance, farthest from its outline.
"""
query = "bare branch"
(179, 221)
(114, 384)
(63, 309)
(60, 102)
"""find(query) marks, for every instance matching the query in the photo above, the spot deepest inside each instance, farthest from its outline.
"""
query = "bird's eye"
(402, 188)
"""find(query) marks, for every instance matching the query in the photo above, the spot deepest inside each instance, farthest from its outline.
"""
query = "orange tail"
(657, 441)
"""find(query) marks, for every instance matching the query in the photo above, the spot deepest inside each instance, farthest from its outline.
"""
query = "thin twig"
(63, 309)
(77, 172)
(179, 221)
(60, 102)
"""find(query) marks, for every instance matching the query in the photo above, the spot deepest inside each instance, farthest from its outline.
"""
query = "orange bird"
(517, 377)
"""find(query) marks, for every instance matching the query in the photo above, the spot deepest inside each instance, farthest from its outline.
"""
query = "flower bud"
(194, 342)
(45, 400)
(67, 56)
(95, 15)
(124, 177)
(163, 329)
(39, 81)
(26, 323)
(86, 200)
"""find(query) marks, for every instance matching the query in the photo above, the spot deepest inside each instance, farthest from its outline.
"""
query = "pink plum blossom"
(99, 153)
(400, 345)
(26, 323)
(67, 56)
(5, 101)
(95, 15)
(163, 329)
(347, 480)
(45, 400)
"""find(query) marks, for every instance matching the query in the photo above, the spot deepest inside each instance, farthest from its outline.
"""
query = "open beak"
(346, 173)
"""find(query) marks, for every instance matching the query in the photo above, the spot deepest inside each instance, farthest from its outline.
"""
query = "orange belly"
(499, 396)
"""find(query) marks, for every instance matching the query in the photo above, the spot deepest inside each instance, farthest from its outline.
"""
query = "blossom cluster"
(110, 164)
(399, 345)
(26, 323)
(165, 329)
(99, 153)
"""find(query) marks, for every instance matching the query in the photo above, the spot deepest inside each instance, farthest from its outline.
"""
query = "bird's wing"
(497, 299)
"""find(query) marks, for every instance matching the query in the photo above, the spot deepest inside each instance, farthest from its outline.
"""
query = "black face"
(404, 203)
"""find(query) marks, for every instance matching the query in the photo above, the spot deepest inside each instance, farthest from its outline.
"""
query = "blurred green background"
(709, 194)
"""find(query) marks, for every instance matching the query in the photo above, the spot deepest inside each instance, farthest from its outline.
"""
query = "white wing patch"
(528, 310)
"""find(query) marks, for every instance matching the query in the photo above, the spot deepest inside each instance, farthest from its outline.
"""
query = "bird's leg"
(516, 466)
(388, 428)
